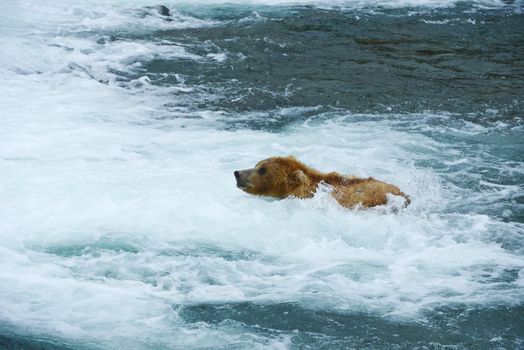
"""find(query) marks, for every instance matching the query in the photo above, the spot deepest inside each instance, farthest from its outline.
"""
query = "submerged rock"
(164, 11)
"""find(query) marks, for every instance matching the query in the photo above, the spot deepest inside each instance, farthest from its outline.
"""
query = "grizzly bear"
(281, 177)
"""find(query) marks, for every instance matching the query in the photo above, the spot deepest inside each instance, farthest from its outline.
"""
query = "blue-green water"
(122, 122)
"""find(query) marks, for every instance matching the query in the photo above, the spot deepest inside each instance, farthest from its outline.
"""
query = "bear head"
(278, 177)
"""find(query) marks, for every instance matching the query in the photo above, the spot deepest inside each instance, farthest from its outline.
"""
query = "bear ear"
(298, 177)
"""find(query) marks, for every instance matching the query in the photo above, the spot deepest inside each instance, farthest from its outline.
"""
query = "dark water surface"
(457, 328)
(461, 60)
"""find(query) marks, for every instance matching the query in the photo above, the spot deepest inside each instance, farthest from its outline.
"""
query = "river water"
(121, 125)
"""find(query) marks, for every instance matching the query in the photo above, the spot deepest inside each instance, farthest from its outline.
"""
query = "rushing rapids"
(122, 121)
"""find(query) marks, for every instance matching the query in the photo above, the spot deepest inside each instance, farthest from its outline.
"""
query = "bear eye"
(262, 171)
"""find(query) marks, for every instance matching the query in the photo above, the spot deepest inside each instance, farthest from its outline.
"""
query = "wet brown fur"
(281, 177)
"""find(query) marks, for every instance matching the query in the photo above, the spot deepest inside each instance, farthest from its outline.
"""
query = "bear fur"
(281, 177)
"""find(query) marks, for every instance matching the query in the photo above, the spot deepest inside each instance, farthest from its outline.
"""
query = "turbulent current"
(121, 123)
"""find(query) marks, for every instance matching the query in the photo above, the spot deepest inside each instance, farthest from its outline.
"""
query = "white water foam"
(112, 218)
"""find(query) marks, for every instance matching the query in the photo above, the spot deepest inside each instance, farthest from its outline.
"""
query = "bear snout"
(242, 179)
